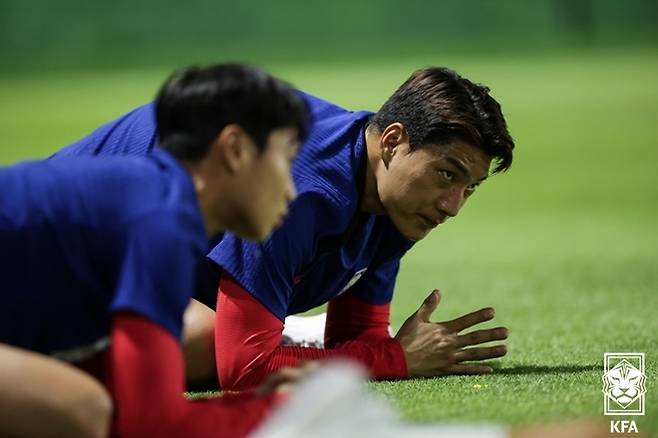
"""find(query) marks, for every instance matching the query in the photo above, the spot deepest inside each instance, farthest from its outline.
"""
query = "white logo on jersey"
(358, 274)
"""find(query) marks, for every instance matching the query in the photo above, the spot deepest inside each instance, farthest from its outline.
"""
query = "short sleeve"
(157, 274)
(378, 282)
(267, 270)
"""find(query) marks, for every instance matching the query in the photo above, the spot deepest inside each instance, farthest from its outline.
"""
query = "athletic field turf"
(564, 246)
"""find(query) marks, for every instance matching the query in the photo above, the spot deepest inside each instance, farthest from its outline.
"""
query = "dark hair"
(436, 105)
(196, 103)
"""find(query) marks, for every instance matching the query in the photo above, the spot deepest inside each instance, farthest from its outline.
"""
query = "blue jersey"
(326, 246)
(83, 238)
(133, 134)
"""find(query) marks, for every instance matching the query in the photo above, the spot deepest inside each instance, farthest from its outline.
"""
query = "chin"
(257, 235)
(263, 235)
(416, 234)
(263, 232)
(411, 230)
(247, 231)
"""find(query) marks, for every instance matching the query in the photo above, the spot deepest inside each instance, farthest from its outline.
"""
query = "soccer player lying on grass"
(98, 259)
(370, 185)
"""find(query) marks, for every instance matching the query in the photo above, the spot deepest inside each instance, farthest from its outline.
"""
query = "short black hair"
(196, 103)
(436, 105)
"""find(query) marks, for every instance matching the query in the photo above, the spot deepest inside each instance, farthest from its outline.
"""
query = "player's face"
(271, 187)
(423, 188)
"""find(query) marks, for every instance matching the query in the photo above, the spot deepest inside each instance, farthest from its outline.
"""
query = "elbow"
(235, 375)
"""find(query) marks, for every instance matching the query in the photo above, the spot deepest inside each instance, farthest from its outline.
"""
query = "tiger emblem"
(624, 384)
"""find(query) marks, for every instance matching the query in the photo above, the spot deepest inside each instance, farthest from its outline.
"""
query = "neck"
(371, 203)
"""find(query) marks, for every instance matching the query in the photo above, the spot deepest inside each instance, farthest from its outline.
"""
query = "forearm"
(383, 359)
(352, 319)
(248, 337)
(146, 379)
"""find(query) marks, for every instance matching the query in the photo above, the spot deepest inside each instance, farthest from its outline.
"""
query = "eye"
(471, 188)
(446, 174)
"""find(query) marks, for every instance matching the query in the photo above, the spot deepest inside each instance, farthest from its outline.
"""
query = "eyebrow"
(463, 169)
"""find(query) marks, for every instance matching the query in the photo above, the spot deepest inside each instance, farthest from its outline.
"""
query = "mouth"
(429, 222)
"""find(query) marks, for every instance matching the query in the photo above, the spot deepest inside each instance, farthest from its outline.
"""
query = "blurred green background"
(564, 246)
(77, 33)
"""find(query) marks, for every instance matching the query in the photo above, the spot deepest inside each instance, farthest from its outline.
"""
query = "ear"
(392, 140)
(232, 148)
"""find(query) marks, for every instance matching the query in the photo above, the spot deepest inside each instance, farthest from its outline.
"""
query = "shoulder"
(320, 211)
(329, 160)
(132, 134)
(122, 187)
(158, 182)
(320, 108)
(326, 115)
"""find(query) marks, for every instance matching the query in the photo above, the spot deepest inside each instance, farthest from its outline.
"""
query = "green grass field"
(564, 246)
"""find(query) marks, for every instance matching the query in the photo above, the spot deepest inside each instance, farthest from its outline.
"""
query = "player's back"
(65, 226)
(132, 134)
(135, 132)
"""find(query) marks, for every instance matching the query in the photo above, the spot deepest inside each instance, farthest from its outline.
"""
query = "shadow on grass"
(537, 369)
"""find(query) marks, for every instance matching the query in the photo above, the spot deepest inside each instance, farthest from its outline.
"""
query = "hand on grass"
(435, 349)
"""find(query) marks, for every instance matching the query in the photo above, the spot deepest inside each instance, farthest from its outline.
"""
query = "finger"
(430, 303)
(469, 320)
(481, 353)
(468, 368)
(482, 336)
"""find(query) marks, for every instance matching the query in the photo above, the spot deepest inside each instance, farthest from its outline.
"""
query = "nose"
(451, 201)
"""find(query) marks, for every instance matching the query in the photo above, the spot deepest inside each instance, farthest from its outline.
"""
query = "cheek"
(278, 181)
(395, 195)
(273, 181)
(407, 194)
